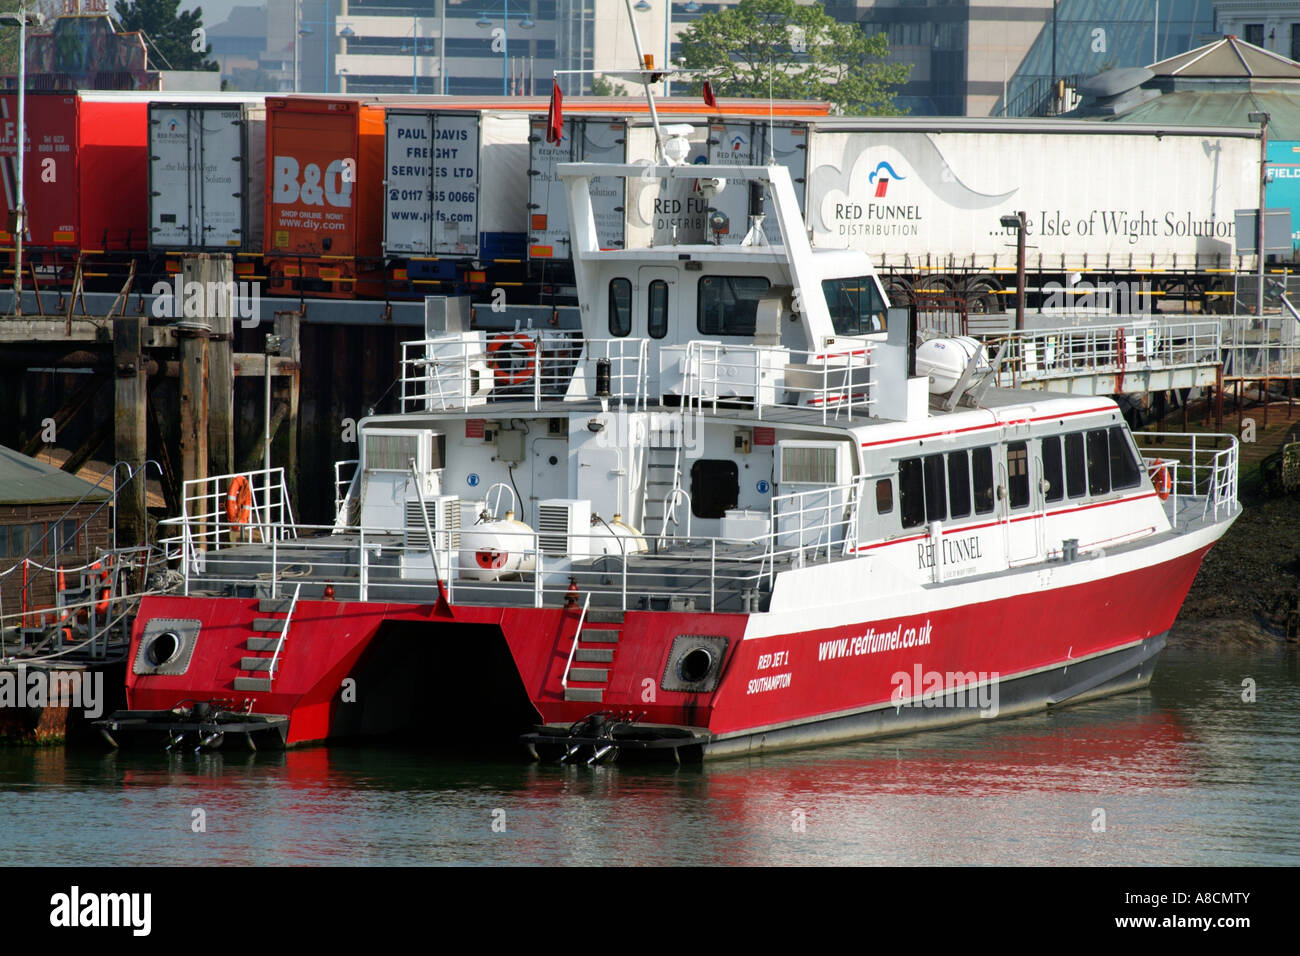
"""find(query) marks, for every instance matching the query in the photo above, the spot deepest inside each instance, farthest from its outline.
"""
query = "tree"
(603, 87)
(790, 51)
(177, 39)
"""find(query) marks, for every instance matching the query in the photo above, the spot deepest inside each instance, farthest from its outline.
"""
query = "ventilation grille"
(553, 529)
(810, 466)
(392, 452)
(444, 515)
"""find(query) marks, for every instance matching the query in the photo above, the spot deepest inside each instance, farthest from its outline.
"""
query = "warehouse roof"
(1201, 108)
(26, 481)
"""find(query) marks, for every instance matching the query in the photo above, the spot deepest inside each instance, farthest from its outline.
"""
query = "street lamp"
(525, 23)
(20, 19)
(1262, 120)
(1017, 222)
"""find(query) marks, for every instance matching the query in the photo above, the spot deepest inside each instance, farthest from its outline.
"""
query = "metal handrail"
(284, 632)
(564, 680)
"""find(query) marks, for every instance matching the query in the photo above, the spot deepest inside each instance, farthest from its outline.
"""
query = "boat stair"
(591, 654)
(266, 642)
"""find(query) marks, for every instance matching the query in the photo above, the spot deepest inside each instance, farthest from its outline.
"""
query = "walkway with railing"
(1111, 359)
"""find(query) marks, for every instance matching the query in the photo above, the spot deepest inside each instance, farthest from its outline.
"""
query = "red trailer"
(324, 204)
(86, 177)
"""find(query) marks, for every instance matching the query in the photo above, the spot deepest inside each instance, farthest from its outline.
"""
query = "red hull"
(765, 682)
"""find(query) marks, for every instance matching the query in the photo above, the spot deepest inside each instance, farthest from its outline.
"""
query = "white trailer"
(925, 198)
(437, 164)
(207, 173)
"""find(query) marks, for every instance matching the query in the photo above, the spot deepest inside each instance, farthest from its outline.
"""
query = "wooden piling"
(130, 435)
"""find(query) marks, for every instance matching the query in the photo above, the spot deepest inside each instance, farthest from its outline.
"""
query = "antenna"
(646, 81)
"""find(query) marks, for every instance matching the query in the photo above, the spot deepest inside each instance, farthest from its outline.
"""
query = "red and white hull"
(820, 672)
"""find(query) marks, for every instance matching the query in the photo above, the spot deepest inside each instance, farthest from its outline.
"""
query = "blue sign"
(763, 487)
(1283, 190)
(472, 480)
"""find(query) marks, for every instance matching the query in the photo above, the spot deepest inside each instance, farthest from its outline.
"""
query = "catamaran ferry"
(747, 507)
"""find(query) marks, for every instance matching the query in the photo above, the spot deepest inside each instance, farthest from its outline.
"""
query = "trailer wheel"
(981, 296)
(899, 291)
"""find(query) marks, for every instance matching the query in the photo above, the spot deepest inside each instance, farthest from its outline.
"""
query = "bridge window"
(1125, 471)
(620, 307)
(1076, 484)
(958, 484)
(855, 305)
(1098, 462)
(1018, 473)
(982, 470)
(1052, 473)
(728, 305)
(657, 317)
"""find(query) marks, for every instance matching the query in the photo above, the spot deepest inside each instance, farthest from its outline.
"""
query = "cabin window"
(884, 496)
(936, 494)
(657, 306)
(4, 541)
(620, 307)
(1076, 483)
(68, 537)
(855, 305)
(728, 305)
(17, 541)
(715, 487)
(1125, 470)
(911, 492)
(1052, 473)
(958, 484)
(1098, 462)
(982, 472)
(1018, 473)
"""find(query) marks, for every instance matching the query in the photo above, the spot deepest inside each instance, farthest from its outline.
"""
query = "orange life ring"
(512, 371)
(105, 596)
(239, 500)
(1160, 479)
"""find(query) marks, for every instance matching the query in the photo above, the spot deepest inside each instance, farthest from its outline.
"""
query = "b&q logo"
(311, 188)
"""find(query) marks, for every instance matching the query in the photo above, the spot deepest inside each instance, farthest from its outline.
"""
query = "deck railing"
(835, 381)
(462, 371)
(1200, 467)
(226, 511)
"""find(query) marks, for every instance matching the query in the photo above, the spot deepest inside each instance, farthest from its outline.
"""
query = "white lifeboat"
(943, 361)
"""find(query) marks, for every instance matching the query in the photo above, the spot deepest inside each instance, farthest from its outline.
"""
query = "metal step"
(254, 683)
(272, 625)
(592, 695)
(604, 615)
(594, 655)
(255, 663)
(274, 605)
(594, 675)
(261, 643)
